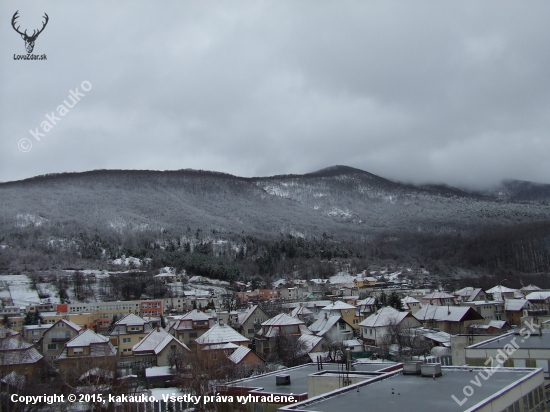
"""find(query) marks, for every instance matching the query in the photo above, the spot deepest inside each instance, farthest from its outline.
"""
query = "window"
(530, 363)
(126, 340)
(342, 326)
(78, 351)
(127, 350)
(35, 332)
(192, 334)
(52, 346)
(250, 330)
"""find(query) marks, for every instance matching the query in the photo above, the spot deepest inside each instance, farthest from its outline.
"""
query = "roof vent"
(430, 370)
(282, 379)
(412, 368)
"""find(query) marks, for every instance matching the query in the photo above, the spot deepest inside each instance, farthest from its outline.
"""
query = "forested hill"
(343, 202)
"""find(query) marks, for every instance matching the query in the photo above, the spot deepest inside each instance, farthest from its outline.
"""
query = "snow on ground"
(342, 278)
(128, 261)
(22, 294)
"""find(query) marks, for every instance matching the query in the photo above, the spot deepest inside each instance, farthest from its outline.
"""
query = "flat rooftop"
(533, 342)
(298, 377)
(410, 392)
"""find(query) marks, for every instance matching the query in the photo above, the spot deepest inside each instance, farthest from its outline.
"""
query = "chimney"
(326, 316)
(158, 328)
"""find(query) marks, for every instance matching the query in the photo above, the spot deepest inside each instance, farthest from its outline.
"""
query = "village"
(327, 338)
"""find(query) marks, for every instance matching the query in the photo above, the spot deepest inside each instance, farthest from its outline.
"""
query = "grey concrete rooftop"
(298, 377)
(533, 342)
(412, 392)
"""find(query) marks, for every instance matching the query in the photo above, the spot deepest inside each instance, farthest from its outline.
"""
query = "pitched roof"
(156, 341)
(220, 334)
(239, 354)
(322, 325)
(437, 295)
(14, 351)
(500, 289)
(339, 306)
(515, 305)
(538, 296)
(70, 324)
(243, 316)
(384, 317)
(131, 320)
(444, 313)
(309, 341)
(282, 319)
(301, 311)
(530, 288)
(85, 339)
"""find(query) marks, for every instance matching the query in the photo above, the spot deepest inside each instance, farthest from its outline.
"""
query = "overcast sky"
(454, 92)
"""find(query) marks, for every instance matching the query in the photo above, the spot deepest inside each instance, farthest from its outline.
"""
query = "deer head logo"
(29, 40)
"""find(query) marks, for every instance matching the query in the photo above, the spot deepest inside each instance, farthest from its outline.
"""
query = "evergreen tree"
(395, 301)
(162, 322)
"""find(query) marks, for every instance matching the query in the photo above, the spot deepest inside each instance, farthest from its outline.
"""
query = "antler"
(43, 26)
(15, 17)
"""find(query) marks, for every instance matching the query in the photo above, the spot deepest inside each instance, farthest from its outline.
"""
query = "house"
(250, 321)
(243, 356)
(366, 307)
(18, 356)
(53, 339)
(287, 293)
(332, 328)
(502, 292)
(127, 332)
(411, 304)
(303, 313)
(159, 348)
(470, 294)
(438, 299)
(513, 309)
(529, 288)
(490, 310)
(348, 312)
(84, 352)
(450, 319)
(33, 333)
(374, 328)
(187, 328)
(494, 326)
(364, 282)
(219, 335)
(282, 323)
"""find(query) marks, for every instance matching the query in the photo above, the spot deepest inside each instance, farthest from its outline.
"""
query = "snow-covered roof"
(86, 338)
(515, 304)
(444, 313)
(501, 289)
(437, 295)
(14, 351)
(243, 316)
(530, 288)
(468, 294)
(70, 324)
(301, 311)
(282, 319)
(131, 320)
(156, 341)
(351, 343)
(538, 296)
(239, 354)
(385, 316)
(322, 325)
(366, 301)
(220, 334)
(309, 341)
(339, 306)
